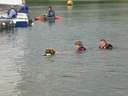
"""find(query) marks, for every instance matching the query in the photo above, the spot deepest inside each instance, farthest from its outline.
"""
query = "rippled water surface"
(24, 72)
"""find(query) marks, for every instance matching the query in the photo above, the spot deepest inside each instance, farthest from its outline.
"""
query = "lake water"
(24, 72)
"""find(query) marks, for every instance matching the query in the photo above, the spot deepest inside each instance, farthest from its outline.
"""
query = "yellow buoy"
(69, 2)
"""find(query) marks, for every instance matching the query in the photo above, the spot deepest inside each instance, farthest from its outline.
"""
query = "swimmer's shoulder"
(109, 46)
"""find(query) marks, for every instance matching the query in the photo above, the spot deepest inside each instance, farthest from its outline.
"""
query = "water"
(24, 72)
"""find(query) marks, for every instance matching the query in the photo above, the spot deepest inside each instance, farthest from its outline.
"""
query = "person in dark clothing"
(105, 45)
(80, 47)
(51, 12)
(24, 8)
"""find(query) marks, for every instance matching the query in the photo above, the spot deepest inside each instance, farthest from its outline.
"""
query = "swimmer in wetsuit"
(49, 52)
(105, 45)
(80, 47)
(51, 12)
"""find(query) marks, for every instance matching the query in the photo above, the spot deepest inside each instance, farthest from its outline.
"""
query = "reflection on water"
(10, 51)
(24, 72)
(69, 8)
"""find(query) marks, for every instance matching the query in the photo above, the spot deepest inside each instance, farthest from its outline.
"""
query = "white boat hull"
(21, 20)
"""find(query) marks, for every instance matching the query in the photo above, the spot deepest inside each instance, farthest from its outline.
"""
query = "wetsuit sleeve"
(110, 47)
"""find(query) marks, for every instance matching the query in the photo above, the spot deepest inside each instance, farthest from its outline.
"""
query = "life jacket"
(51, 13)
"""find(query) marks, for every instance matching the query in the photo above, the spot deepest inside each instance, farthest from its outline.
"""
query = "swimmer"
(79, 46)
(49, 52)
(105, 45)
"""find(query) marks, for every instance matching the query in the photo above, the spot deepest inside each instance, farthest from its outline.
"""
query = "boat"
(6, 24)
(11, 2)
(45, 18)
(21, 20)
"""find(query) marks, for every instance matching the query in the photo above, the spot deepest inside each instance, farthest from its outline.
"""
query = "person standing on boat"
(24, 8)
(12, 12)
(51, 12)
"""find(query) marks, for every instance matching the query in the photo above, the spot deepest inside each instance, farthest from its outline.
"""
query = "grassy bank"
(40, 2)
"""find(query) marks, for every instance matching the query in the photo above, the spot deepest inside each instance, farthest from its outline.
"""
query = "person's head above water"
(104, 44)
(49, 52)
(79, 46)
